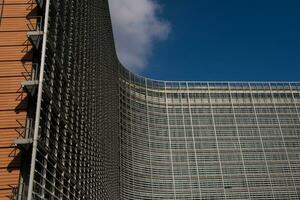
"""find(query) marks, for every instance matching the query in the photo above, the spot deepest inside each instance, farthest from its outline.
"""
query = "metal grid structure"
(102, 132)
(209, 140)
(74, 137)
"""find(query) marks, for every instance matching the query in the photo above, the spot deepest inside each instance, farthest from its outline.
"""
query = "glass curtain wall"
(209, 140)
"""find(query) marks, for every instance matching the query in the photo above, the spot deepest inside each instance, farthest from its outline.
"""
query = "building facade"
(16, 63)
(76, 124)
(209, 140)
(64, 144)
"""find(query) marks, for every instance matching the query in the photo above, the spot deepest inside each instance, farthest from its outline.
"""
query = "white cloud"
(136, 27)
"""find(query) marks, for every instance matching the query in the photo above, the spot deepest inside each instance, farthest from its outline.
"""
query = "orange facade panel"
(18, 10)
(15, 2)
(11, 84)
(10, 53)
(13, 38)
(7, 193)
(15, 68)
(13, 102)
(17, 24)
(10, 175)
(8, 136)
(12, 119)
(9, 159)
(17, 18)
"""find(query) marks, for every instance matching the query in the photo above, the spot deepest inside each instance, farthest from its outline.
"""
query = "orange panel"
(13, 101)
(15, 67)
(11, 119)
(17, 10)
(6, 193)
(17, 24)
(8, 53)
(13, 38)
(11, 176)
(11, 84)
(8, 136)
(9, 158)
(14, 2)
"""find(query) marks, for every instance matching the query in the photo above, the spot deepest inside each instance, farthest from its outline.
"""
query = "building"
(209, 140)
(16, 63)
(76, 124)
(59, 101)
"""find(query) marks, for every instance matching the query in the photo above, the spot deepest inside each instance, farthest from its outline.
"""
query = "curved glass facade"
(98, 131)
(76, 154)
(208, 140)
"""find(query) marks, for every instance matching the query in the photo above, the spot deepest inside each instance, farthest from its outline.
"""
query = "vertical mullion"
(216, 138)
(149, 138)
(185, 138)
(296, 108)
(170, 143)
(261, 140)
(239, 141)
(132, 151)
(193, 136)
(282, 137)
(294, 101)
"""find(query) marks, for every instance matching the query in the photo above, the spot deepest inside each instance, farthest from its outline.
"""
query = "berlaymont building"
(76, 124)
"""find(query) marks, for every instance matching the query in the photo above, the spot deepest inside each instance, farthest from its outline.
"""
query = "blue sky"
(223, 40)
